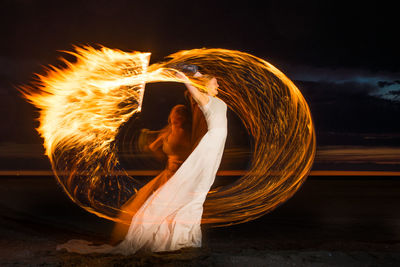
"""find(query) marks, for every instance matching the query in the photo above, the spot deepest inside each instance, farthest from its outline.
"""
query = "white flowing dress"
(170, 218)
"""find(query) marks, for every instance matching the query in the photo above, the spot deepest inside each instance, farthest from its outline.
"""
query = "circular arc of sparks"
(83, 106)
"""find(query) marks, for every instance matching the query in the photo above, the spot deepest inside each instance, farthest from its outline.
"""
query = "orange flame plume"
(83, 106)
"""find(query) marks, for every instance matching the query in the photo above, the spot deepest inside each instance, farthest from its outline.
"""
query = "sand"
(329, 222)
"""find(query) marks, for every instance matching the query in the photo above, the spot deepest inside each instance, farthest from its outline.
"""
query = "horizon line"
(219, 173)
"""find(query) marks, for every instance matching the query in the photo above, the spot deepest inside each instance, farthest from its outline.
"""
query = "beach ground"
(329, 222)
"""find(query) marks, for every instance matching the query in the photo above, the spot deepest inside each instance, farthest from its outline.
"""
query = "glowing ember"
(83, 106)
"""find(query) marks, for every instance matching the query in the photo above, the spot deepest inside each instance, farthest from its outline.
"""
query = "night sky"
(343, 56)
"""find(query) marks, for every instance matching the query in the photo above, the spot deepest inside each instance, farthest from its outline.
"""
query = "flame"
(83, 106)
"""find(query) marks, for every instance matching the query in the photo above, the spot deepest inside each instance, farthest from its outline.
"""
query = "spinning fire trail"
(83, 106)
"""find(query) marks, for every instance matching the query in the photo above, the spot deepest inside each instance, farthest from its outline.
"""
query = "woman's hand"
(182, 76)
(197, 74)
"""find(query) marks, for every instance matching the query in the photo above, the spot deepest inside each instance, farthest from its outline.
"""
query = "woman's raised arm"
(199, 97)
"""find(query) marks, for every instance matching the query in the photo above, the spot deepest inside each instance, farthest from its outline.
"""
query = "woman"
(170, 218)
(174, 142)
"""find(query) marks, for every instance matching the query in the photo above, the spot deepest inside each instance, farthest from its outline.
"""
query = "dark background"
(343, 56)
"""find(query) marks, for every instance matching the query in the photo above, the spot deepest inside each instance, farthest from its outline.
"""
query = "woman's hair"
(183, 114)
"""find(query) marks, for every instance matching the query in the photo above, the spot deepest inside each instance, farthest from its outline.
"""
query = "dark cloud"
(382, 84)
(395, 94)
(322, 92)
(350, 79)
(349, 107)
(339, 74)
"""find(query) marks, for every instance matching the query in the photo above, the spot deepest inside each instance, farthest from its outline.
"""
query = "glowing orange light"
(83, 106)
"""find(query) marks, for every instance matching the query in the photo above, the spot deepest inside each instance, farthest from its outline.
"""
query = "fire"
(83, 106)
